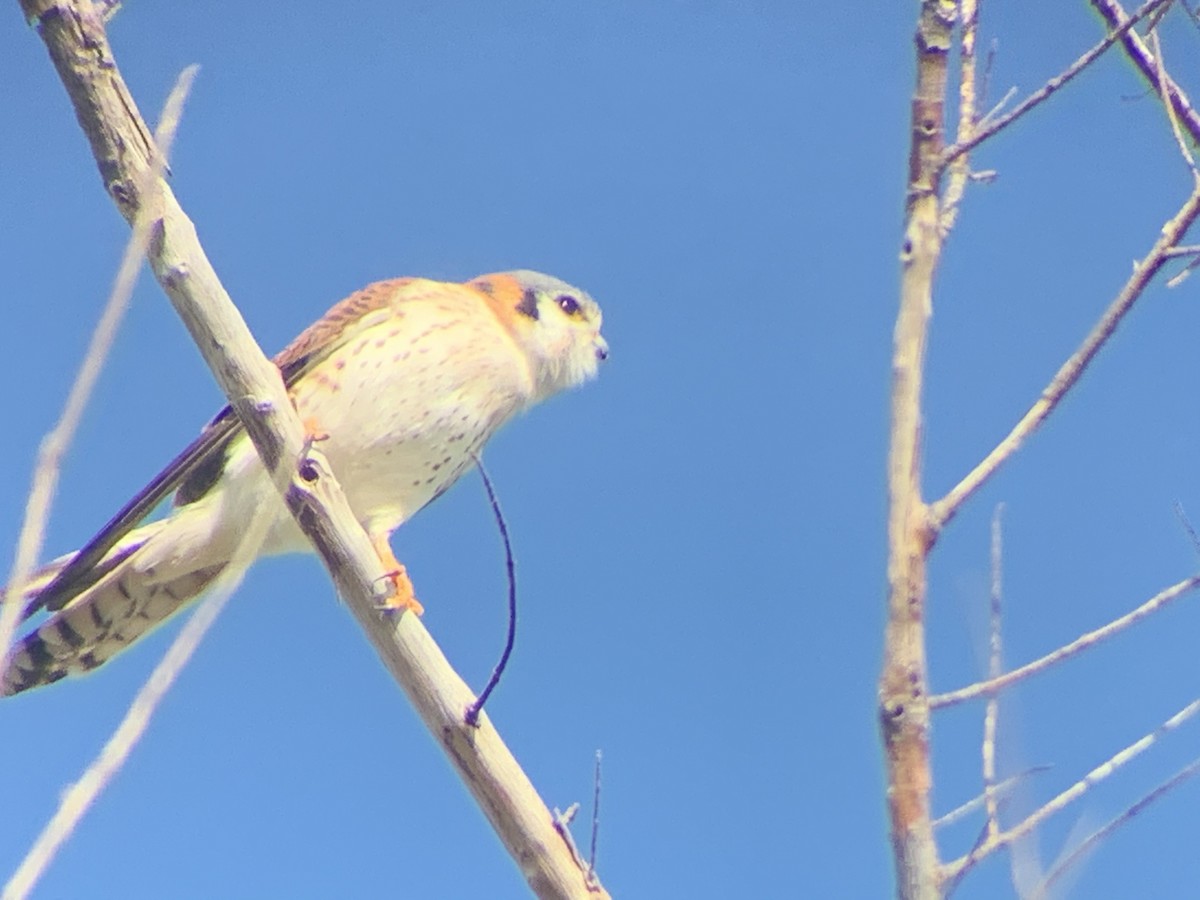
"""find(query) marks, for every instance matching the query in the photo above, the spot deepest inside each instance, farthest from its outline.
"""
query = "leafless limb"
(994, 685)
(1173, 232)
(954, 870)
(595, 818)
(1185, 250)
(1119, 31)
(78, 46)
(1161, 83)
(958, 169)
(55, 444)
(977, 802)
(1093, 840)
(995, 652)
(1135, 47)
(78, 798)
(903, 682)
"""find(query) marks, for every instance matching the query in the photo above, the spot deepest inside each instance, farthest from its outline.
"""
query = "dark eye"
(567, 304)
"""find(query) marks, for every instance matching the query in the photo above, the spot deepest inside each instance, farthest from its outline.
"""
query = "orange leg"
(313, 432)
(404, 598)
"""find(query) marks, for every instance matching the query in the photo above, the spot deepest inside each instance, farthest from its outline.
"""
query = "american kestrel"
(405, 380)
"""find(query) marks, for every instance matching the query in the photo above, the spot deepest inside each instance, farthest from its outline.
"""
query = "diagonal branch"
(1121, 30)
(1043, 891)
(954, 870)
(75, 38)
(942, 511)
(1115, 17)
(996, 684)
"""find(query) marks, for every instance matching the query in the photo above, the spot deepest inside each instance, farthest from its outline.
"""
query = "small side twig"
(995, 647)
(1173, 231)
(79, 797)
(1188, 528)
(591, 869)
(965, 809)
(55, 444)
(1116, 18)
(953, 870)
(1081, 643)
(1043, 890)
(1119, 31)
(1161, 72)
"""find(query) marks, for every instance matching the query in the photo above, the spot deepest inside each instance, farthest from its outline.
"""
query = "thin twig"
(988, 68)
(1179, 277)
(1050, 87)
(1188, 528)
(55, 444)
(977, 802)
(595, 819)
(942, 511)
(995, 647)
(1161, 72)
(1042, 890)
(78, 798)
(1115, 17)
(1185, 250)
(1105, 770)
(1081, 643)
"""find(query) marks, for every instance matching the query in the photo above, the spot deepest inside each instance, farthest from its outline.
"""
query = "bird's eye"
(567, 304)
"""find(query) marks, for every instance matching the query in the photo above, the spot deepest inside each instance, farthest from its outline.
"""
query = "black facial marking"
(528, 305)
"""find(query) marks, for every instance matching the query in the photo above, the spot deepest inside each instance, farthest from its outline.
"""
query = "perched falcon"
(405, 380)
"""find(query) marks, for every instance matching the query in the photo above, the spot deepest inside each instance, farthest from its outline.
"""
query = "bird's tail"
(141, 583)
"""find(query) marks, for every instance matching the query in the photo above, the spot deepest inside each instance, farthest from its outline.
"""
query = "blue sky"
(700, 533)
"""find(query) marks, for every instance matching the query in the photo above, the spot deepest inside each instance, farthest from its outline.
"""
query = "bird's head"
(556, 324)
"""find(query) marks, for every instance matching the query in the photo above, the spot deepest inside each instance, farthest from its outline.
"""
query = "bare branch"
(1116, 18)
(1185, 250)
(1044, 93)
(78, 798)
(995, 648)
(975, 803)
(78, 46)
(1083, 642)
(954, 870)
(959, 167)
(1042, 891)
(1144, 271)
(903, 708)
(1161, 72)
(55, 444)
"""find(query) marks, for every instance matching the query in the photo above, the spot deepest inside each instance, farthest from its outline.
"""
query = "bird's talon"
(403, 597)
(313, 431)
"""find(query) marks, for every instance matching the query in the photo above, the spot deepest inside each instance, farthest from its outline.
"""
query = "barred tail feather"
(141, 591)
